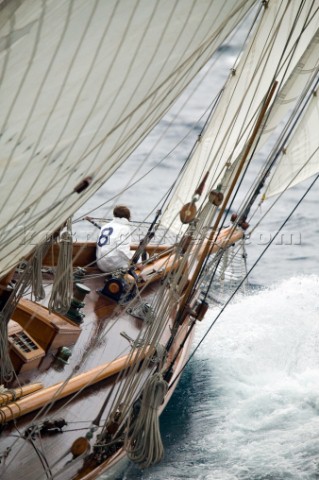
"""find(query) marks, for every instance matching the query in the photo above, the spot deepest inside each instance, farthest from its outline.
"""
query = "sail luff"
(299, 157)
(292, 95)
(273, 51)
(293, 91)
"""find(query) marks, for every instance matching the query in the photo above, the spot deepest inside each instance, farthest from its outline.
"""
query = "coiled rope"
(61, 295)
(37, 283)
(143, 442)
(6, 368)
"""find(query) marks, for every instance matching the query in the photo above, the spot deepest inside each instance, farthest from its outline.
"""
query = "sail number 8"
(104, 236)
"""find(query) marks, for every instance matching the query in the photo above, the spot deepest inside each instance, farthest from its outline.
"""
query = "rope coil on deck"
(61, 295)
(37, 282)
(18, 288)
(143, 442)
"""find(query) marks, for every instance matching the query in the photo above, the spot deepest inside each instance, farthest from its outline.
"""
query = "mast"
(210, 241)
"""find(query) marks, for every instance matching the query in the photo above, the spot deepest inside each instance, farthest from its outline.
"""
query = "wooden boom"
(63, 389)
(13, 394)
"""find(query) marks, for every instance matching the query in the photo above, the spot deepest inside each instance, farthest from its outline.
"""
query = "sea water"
(247, 404)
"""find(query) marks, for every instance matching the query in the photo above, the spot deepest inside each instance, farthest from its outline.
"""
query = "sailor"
(113, 245)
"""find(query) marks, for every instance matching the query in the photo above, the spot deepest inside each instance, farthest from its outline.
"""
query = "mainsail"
(81, 85)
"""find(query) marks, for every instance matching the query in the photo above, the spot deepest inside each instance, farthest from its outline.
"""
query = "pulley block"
(188, 213)
(216, 198)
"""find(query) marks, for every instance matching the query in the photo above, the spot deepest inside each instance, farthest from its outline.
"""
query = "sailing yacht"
(89, 360)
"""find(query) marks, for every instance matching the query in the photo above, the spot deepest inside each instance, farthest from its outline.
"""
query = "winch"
(120, 287)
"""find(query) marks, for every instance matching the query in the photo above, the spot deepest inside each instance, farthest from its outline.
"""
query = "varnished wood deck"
(101, 330)
(48, 455)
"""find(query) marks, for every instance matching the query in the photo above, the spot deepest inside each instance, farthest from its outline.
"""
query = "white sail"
(82, 83)
(280, 39)
(299, 159)
(295, 88)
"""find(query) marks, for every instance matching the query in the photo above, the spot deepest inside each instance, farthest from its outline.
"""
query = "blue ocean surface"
(247, 405)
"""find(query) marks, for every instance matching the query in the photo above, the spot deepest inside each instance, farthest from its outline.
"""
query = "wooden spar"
(15, 393)
(83, 253)
(63, 389)
(210, 241)
(225, 238)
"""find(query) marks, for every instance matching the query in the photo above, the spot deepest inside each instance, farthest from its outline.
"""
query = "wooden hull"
(74, 390)
(78, 387)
